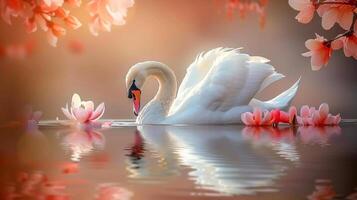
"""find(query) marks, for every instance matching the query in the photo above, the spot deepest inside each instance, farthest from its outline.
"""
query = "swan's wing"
(197, 71)
(233, 80)
(260, 75)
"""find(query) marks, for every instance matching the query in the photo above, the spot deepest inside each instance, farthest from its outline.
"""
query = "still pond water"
(179, 162)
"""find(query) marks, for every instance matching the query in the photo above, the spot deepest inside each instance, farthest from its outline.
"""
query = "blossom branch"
(53, 18)
(350, 2)
(342, 12)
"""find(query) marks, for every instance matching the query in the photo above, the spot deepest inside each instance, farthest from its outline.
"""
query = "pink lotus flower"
(105, 13)
(83, 111)
(257, 118)
(320, 52)
(336, 13)
(306, 8)
(320, 117)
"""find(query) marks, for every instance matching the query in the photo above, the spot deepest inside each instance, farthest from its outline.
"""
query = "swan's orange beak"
(135, 93)
(136, 101)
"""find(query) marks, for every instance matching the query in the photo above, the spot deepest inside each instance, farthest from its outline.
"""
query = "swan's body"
(218, 87)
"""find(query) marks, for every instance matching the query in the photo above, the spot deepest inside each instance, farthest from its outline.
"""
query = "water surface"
(179, 162)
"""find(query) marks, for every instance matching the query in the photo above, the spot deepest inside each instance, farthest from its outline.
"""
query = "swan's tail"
(282, 101)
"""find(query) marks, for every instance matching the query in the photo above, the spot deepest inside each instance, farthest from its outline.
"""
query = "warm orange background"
(173, 32)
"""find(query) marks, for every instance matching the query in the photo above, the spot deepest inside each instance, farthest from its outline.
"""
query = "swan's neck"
(167, 88)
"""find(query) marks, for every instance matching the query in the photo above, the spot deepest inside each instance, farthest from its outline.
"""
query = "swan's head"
(134, 81)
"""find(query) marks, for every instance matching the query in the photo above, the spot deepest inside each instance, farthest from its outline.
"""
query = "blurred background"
(172, 32)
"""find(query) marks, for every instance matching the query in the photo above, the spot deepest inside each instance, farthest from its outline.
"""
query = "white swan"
(219, 85)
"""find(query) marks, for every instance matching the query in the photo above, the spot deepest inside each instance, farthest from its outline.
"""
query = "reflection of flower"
(323, 191)
(307, 134)
(70, 167)
(83, 111)
(104, 13)
(111, 191)
(317, 134)
(35, 185)
(82, 142)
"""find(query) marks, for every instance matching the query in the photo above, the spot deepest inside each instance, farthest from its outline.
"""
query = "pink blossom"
(320, 52)
(257, 118)
(53, 3)
(109, 191)
(320, 117)
(11, 8)
(306, 8)
(245, 7)
(72, 22)
(83, 111)
(105, 13)
(336, 13)
(349, 43)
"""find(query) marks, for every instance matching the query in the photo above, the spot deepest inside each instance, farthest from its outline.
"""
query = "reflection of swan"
(217, 88)
(220, 158)
(153, 141)
(82, 142)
